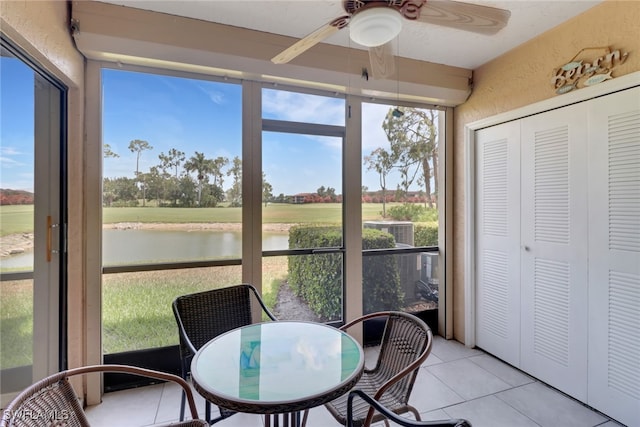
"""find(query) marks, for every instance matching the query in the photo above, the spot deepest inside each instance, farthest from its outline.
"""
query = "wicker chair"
(52, 401)
(406, 343)
(397, 419)
(205, 315)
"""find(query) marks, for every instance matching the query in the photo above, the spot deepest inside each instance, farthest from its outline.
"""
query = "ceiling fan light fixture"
(375, 26)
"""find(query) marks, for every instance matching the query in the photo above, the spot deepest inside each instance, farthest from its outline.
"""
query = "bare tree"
(382, 162)
(414, 146)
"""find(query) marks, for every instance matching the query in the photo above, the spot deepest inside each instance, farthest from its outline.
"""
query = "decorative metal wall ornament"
(580, 71)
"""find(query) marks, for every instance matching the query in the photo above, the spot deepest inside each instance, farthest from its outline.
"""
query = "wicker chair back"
(203, 316)
(406, 343)
(53, 402)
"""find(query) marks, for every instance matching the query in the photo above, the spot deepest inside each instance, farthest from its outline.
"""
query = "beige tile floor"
(455, 382)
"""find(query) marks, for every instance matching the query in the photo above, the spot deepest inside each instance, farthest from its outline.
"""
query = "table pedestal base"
(291, 419)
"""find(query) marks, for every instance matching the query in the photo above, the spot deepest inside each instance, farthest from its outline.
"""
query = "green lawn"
(19, 218)
(16, 323)
(137, 306)
(16, 219)
(273, 213)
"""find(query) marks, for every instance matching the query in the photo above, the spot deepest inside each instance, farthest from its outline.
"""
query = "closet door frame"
(614, 85)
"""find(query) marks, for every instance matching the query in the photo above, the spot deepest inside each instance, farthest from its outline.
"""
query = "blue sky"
(16, 129)
(204, 116)
(191, 115)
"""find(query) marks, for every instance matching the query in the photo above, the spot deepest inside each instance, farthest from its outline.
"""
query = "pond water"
(142, 246)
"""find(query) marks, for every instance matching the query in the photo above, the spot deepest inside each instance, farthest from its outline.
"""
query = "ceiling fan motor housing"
(375, 26)
(410, 9)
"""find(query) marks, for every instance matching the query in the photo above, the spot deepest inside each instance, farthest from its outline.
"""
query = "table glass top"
(277, 362)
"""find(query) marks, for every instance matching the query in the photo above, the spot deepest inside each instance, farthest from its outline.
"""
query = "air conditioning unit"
(429, 270)
(402, 231)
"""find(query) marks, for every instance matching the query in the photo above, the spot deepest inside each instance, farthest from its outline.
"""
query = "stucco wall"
(40, 28)
(522, 77)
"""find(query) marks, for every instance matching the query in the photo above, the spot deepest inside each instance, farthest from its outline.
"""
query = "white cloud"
(216, 96)
(299, 107)
(20, 181)
(373, 135)
(8, 162)
(9, 151)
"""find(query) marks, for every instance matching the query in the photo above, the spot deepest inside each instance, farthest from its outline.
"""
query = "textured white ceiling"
(421, 41)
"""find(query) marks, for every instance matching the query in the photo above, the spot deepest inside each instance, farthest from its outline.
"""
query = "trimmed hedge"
(425, 234)
(318, 278)
(381, 287)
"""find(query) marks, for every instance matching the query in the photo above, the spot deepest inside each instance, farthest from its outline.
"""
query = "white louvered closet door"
(614, 255)
(554, 294)
(498, 235)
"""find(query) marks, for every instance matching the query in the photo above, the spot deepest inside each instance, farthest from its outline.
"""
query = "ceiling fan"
(374, 23)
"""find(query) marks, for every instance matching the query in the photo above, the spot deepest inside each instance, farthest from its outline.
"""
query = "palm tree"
(138, 146)
(172, 160)
(203, 167)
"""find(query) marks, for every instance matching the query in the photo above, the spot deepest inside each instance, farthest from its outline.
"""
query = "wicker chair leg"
(184, 372)
(304, 417)
(415, 412)
(207, 412)
(182, 403)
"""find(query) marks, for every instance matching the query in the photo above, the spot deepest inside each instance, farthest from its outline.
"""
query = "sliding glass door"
(31, 222)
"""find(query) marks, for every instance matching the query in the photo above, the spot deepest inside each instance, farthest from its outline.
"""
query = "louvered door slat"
(498, 228)
(553, 270)
(614, 253)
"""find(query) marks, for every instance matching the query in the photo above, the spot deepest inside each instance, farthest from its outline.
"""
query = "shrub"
(425, 234)
(413, 212)
(318, 278)
(405, 212)
(381, 288)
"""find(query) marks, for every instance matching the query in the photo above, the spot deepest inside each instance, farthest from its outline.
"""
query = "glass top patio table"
(277, 367)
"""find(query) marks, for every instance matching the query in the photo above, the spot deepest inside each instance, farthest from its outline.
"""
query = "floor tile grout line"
(477, 397)
(511, 387)
(513, 407)
(483, 397)
(524, 415)
(164, 391)
(532, 380)
(155, 417)
(446, 385)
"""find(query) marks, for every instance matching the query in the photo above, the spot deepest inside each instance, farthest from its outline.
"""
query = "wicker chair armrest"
(181, 329)
(391, 381)
(261, 302)
(405, 422)
(363, 318)
(398, 376)
(133, 370)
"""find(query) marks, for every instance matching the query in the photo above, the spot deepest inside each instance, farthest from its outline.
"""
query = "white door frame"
(614, 85)
(49, 141)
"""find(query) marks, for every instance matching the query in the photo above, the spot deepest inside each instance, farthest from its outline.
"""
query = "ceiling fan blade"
(310, 40)
(464, 16)
(382, 61)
